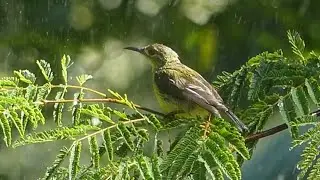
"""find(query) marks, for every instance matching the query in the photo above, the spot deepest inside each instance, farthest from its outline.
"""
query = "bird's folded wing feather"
(189, 87)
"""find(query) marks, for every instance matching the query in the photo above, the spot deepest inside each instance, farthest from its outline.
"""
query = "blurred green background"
(211, 36)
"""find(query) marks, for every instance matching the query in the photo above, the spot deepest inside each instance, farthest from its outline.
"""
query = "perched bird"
(180, 88)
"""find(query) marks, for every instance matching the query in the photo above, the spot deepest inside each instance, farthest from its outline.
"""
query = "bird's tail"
(242, 127)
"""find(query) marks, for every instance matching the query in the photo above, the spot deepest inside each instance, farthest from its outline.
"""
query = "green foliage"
(57, 162)
(45, 70)
(59, 133)
(297, 44)
(74, 159)
(117, 139)
(270, 81)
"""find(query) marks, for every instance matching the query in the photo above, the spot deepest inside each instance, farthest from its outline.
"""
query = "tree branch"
(269, 132)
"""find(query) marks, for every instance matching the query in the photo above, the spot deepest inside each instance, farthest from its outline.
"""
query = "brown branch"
(110, 100)
(274, 130)
(269, 132)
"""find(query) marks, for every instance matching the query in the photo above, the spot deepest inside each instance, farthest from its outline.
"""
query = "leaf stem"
(104, 100)
(79, 87)
(109, 127)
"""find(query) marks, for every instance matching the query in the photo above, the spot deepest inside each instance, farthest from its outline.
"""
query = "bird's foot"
(206, 127)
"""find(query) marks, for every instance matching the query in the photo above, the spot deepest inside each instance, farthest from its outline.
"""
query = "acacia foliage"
(117, 139)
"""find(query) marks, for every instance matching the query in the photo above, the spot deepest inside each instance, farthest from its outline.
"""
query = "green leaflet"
(6, 129)
(239, 82)
(200, 169)
(9, 82)
(313, 90)
(231, 135)
(96, 111)
(65, 64)
(309, 154)
(14, 117)
(58, 108)
(74, 160)
(43, 92)
(297, 44)
(122, 171)
(156, 167)
(300, 100)
(307, 136)
(217, 151)
(25, 76)
(145, 167)
(288, 113)
(76, 108)
(108, 144)
(185, 150)
(56, 164)
(125, 133)
(315, 172)
(45, 70)
(154, 121)
(83, 78)
(55, 134)
(31, 92)
(94, 151)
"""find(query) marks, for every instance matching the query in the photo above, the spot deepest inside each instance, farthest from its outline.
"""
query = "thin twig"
(104, 100)
(274, 130)
(79, 87)
(269, 132)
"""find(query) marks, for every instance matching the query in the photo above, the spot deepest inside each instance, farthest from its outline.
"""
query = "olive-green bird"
(180, 88)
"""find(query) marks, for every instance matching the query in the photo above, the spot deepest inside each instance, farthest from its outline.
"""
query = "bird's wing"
(184, 83)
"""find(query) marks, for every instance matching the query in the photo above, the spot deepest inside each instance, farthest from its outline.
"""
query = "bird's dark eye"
(151, 52)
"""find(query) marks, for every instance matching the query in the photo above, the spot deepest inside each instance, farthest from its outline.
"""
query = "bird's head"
(159, 54)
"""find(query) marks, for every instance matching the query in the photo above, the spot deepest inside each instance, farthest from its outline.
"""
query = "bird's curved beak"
(140, 50)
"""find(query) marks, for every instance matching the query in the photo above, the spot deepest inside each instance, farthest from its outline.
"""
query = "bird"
(179, 88)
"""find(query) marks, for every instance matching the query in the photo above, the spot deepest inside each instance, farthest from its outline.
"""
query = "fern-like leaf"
(184, 153)
(315, 172)
(55, 134)
(6, 129)
(74, 160)
(65, 64)
(218, 154)
(156, 167)
(25, 76)
(94, 151)
(313, 90)
(96, 111)
(301, 102)
(83, 78)
(309, 154)
(108, 144)
(288, 113)
(231, 135)
(45, 70)
(297, 44)
(56, 164)
(125, 133)
(58, 108)
(145, 167)
(9, 82)
(76, 108)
